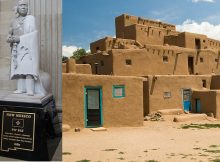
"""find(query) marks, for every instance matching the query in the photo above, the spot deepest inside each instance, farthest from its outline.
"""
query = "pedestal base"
(29, 131)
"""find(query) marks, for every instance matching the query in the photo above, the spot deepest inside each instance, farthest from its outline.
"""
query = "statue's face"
(22, 9)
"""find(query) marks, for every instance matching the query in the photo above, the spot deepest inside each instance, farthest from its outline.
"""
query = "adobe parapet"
(126, 20)
(109, 43)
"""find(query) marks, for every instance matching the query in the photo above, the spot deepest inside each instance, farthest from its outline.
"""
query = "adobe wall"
(126, 20)
(187, 40)
(71, 67)
(127, 111)
(208, 101)
(99, 45)
(206, 62)
(213, 44)
(215, 84)
(175, 40)
(218, 104)
(83, 69)
(190, 40)
(159, 84)
(63, 67)
(145, 34)
(109, 43)
(150, 61)
(103, 61)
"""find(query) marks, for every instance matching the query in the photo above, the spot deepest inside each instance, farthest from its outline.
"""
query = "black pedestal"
(29, 131)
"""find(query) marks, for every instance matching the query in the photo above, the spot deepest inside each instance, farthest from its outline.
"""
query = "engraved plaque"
(18, 129)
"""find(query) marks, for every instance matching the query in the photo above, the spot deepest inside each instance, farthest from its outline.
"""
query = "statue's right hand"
(10, 39)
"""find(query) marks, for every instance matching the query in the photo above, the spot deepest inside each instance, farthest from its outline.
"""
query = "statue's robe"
(28, 57)
(27, 51)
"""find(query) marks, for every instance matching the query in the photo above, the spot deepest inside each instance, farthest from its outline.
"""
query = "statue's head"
(22, 7)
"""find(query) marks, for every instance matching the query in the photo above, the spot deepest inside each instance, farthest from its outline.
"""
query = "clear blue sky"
(85, 21)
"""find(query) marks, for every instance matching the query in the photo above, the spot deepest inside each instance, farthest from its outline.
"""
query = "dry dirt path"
(158, 141)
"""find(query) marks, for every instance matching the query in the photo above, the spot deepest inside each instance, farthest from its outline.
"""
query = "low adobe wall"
(215, 84)
(218, 104)
(72, 67)
(83, 69)
(127, 111)
(174, 85)
(207, 101)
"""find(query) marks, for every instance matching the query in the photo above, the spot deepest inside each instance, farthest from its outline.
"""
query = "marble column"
(6, 16)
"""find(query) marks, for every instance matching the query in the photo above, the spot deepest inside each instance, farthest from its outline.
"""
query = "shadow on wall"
(153, 84)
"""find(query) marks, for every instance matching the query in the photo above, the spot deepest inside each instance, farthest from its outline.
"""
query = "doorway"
(197, 44)
(191, 65)
(187, 93)
(198, 106)
(93, 106)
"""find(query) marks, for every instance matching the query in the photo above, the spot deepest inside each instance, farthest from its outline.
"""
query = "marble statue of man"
(23, 39)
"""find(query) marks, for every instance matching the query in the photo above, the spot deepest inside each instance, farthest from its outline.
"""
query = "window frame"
(165, 59)
(128, 62)
(114, 87)
(165, 96)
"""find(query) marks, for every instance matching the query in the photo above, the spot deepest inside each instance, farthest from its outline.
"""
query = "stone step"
(190, 117)
(99, 129)
(65, 127)
(171, 111)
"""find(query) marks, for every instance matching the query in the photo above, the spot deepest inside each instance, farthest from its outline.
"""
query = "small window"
(165, 59)
(97, 48)
(127, 17)
(118, 91)
(128, 62)
(204, 83)
(167, 95)
(102, 63)
(216, 60)
(201, 59)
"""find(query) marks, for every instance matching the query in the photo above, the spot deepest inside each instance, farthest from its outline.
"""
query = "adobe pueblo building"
(149, 66)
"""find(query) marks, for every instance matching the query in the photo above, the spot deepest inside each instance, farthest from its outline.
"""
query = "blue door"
(187, 99)
(198, 106)
(93, 106)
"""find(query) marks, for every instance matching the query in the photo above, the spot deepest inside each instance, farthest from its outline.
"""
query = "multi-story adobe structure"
(178, 70)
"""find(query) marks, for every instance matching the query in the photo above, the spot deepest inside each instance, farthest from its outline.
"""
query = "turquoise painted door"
(93, 107)
(198, 106)
(187, 99)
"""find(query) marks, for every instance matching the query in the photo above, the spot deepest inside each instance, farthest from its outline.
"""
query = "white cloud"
(68, 50)
(196, 1)
(212, 31)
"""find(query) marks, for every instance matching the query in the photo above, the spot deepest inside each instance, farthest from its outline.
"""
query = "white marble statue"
(23, 39)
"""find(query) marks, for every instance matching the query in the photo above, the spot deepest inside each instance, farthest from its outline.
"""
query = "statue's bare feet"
(18, 92)
(30, 93)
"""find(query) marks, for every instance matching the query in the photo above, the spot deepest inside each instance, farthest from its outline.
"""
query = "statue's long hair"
(15, 9)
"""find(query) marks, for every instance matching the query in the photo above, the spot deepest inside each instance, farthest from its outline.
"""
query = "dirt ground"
(163, 141)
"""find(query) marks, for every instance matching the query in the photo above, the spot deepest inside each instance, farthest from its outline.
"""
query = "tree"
(64, 59)
(79, 53)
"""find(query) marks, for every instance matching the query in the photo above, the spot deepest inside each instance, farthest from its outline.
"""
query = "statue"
(23, 39)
